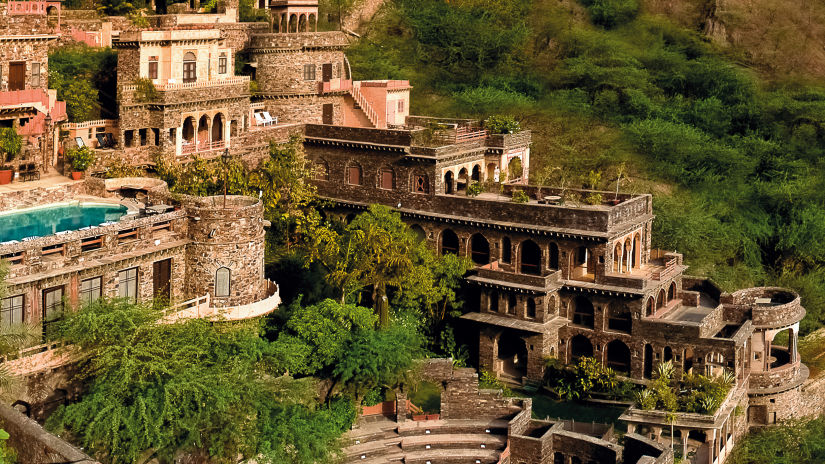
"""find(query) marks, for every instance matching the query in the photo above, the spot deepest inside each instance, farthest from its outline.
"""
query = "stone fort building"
(558, 276)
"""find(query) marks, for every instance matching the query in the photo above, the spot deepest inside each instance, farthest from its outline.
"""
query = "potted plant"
(10, 145)
(80, 158)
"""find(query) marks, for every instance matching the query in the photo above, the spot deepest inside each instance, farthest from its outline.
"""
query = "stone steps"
(375, 448)
(452, 456)
(454, 441)
(452, 426)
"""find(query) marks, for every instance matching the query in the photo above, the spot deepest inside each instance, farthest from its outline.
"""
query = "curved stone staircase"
(383, 441)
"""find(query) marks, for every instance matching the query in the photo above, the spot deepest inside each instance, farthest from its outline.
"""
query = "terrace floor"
(49, 179)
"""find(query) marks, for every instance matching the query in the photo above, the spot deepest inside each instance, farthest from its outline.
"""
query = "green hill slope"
(732, 154)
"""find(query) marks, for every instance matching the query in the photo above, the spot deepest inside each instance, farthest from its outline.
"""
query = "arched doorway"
(583, 312)
(661, 299)
(515, 170)
(217, 128)
(618, 318)
(463, 180)
(449, 188)
(668, 355)
(313, 23)
(648, 362)
(449, 242)
(302, 23)
(618, 357)
(671, 292)
(628, 253)
(512, 353)
(530, 258)
(491, 172)
(476, 177)
(293, 23)
(188, 132)
(650, 306)
(203, 131)
(580, 347)
(479, 249)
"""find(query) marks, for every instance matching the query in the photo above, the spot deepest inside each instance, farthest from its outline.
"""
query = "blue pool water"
(48, 220)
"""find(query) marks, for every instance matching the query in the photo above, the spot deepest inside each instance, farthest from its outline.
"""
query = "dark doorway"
(580, 347)
(17, 76)
(479, 249)
(648, 370)
(618, 357)
(530, 258)
(512, 352)
(449, 242)
(326, 72)
(161, 277)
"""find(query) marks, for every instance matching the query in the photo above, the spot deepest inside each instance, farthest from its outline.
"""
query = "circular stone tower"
(226, 255)
(776, 372)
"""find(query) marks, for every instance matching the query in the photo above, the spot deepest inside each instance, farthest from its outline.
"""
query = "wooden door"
(17, 76)
(327, 114)
(326, 72)
(161, 277)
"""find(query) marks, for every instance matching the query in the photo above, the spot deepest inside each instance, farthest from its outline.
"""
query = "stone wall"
(34, 445)
(299, 109)
(29, 50)
(231, 238)
(17, 199)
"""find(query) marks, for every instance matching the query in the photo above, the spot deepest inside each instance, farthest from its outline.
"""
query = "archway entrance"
(580, 347)
(476, 177)
(217, 128)
(189, 130)
(449, 242)
(203, 131)
(512, 355)
(479, 249)
(463, 180)
(648, 367)
(449, 188)
(530, 255)
(618, 357)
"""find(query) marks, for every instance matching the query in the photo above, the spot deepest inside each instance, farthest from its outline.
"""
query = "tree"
(12, 339)
(156, 390)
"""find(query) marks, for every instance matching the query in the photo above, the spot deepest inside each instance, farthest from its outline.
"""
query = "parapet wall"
(41, 196)
(304, 40)
(33, 444)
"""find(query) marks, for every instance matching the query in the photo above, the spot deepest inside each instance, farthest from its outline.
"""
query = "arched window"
(476, 177)
(449, 242)
(671, 293)
(222, 282)
(354, 175)
(321, 170)
(580, 347)
(479, 249)
(530, 254)
(449, 188)
(618, 357)
(650, 306)
(661, 300)
(190, 68)
(618, 318)
(506, 250)
(419, 232)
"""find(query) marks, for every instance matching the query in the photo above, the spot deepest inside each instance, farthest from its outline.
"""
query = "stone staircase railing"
(355, 91)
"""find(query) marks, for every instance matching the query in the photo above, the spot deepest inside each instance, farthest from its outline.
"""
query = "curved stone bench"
(452, 457)
(454, 441)
(453, 426)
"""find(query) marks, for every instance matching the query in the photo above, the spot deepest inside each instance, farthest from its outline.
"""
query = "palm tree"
(12, 339)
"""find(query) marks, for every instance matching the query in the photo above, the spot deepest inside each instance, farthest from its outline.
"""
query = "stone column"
(685, 434)
(400, 406)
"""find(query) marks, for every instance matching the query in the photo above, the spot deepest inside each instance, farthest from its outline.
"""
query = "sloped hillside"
(779, 37)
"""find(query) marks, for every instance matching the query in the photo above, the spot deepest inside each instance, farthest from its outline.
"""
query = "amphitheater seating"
(383, 441)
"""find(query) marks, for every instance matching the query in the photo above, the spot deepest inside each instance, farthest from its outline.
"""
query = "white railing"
(195, 85)
(89, 124)
(201, 307)
(364, 104)
(202, 147)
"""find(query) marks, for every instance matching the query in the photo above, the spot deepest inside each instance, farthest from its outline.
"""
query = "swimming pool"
(47, 220)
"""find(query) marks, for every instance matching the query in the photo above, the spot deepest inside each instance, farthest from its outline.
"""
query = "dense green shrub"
(502, 125)
(612, 13)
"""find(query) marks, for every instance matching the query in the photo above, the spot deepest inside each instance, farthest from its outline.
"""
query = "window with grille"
(90, 290)
(190, 68)
(309, 72)
(222, 281)
(222, 64)
(35, 75)
(127, 286)
(11, 310)
(420, 184)
(400, 106)
(153, 67)
(52, 311)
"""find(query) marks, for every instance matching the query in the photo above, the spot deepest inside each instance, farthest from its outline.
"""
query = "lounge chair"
(259, 119)
(80, 142)
(270, 118)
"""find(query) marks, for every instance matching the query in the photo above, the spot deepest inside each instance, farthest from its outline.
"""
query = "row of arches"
(661, 300)
(294, 22)
(616, 353)
(627, 254)
(387, 179)
(204, 133)
(529, 252)
(496, 304)
(458, 182)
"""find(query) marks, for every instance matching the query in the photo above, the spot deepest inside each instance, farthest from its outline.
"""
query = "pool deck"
(50, 179)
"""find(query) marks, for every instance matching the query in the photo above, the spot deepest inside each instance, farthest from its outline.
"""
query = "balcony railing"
(235, 80)
(201, 307)
(202, 147)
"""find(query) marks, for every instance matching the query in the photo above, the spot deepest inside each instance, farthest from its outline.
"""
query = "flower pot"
(6, 176)
(77, 175)
(614, 202)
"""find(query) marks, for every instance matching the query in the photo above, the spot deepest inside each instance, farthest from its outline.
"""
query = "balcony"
(494, 273)
(202, 308)
(335, 85)
(188, 148)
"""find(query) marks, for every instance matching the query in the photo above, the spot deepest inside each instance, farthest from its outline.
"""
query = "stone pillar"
(400, 406)
(684, 442)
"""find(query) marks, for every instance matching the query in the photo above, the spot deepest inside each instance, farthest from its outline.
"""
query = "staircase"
(362, 104)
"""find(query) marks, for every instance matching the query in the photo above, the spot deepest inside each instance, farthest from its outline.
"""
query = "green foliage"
(586, 376)
(488, 380)
(80, 157)
(612, 13)
(795, 442)
(86, 79)
(192, 386)
(734, 161)
(475, 189)
(519, 197)
(120, 7)
(138, 18)
(145, 90)
(10, 144)
(693, 393)
(502, 125)
(249, 13)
